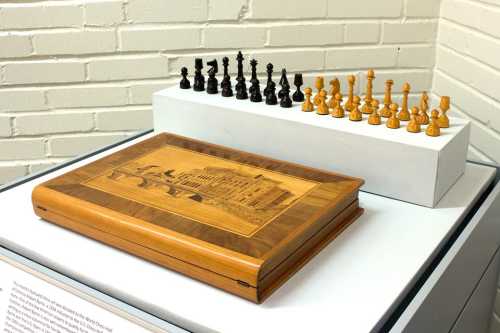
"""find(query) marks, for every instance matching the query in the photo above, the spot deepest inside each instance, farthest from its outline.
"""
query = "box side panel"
(451, 163)
(389, 168)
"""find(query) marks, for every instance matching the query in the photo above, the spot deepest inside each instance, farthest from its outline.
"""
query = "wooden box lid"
(238, 221)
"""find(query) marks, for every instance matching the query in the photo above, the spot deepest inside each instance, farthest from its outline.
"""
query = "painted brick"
(486, 141)
(22, 100)
(235, 36)
(226, 10)
(293, 60)
(167, 11)
(409, 32)
(30, 16)
(42, 165)
(5, 128)
(47, 123)
(103, 13)
(127, 68)
(422, 8)
(488, 21)
(72, 97)
(152, 39)
(419, 81)
(471, 102)
(13, 46)
(80, 144)
(362, 33)
(125, 120)
(416, 56)
(310, 34)
(352, 58)
(363, 8)
(142, 93)
(20, 149)
(265, 9)
(44, 72)
(78, 42)
(461, 12)
(9, 173)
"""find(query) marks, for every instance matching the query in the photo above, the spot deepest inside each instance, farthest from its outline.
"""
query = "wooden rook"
(404, 115)
(356, 114)
(319, 84)
(338, 110)
(367, 108)
(351, 80)
(308, 105)
(386, 110)
(413, 126)
(374, 118)
(393, 121)
(433, 127)
(444, 106)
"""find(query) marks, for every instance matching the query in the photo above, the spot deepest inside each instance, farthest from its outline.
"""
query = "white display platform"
(395, 163)
(349, 287)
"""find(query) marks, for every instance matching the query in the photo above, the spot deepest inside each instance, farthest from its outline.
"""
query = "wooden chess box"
(395, 163)
(240, 222)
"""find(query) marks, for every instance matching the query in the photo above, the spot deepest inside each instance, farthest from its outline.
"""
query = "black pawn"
(283, 81)
(199, 79)
(271, 98)
(212, 83)
(255, 95)
(184, 84)
(285, 101)
(241, 93)
(253, 78)
(269, 69)
(225, 85)
(298, 96)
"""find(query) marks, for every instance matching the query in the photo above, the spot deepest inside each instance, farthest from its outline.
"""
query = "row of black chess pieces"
(240, 87)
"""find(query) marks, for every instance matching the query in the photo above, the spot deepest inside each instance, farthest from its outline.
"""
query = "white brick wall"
(77, 74)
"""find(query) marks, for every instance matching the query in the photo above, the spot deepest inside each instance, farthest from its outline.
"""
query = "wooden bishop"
(404, 114)
(367, 108)
(386, 111)
(444, 106)
(351, 80)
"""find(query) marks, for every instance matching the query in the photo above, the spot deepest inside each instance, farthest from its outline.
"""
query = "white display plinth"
(393, 162)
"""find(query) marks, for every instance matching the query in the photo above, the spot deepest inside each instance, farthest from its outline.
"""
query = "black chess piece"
(239, 77)
(253, 66)
(199, 79)
(298, 96)
(184, 84)
(283, 81)
(255, 95)
(225, 85)
(212, 83)
(271, 98)
(241, 93)
(269, 69)
(285, 101)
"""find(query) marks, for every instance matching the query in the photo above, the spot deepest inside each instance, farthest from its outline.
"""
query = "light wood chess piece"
(319, 84)
(423, 117)
(404, 114)
(393, 121)
(338, 110)
(356, 114)
(444, 105)
(322, 106)
(374, 118)
(386, 110)
(351, 80)
(334, 87)
(367, 108)
(308, 105)
(413, 126)
(433, 127)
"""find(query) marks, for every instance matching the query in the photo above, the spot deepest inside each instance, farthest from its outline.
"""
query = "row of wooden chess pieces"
(416, 118)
